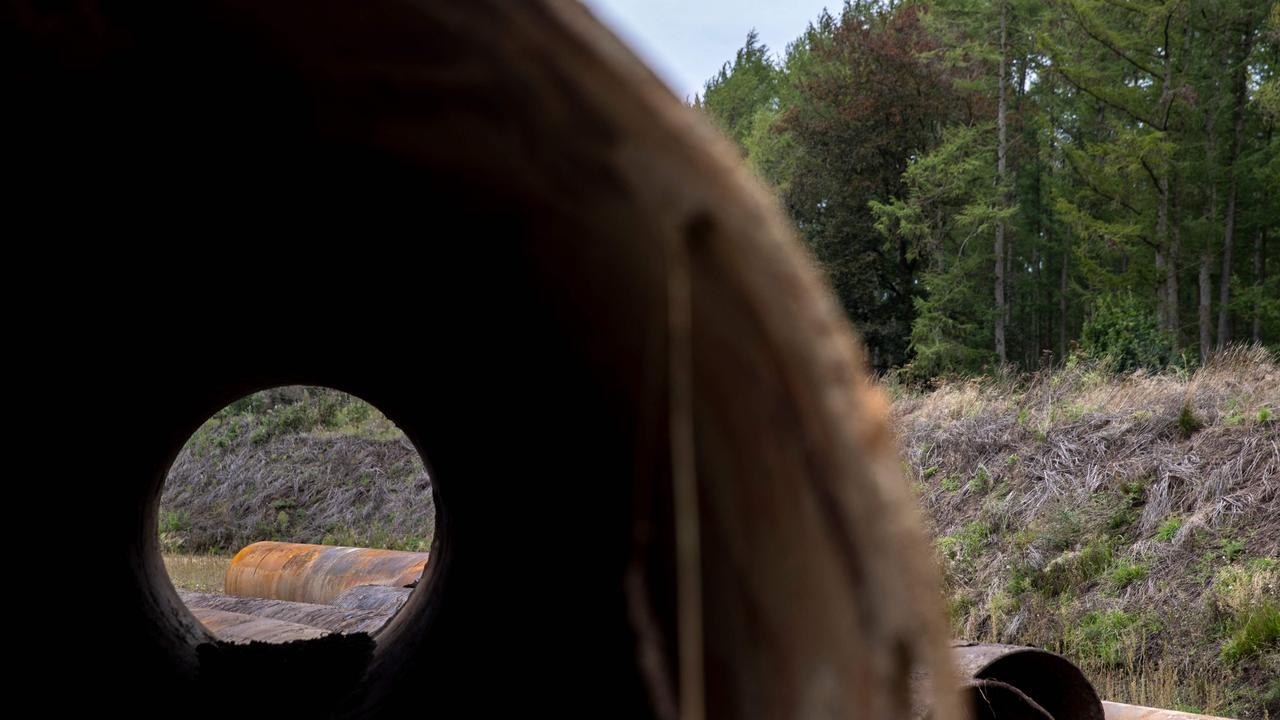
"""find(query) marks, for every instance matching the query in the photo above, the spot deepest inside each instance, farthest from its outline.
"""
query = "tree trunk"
(1228, 238)
(1206, 315)
(1162, 242)
(1001, 149)
(1062, 299)
(1259, 240)
(1171, 268)
(1164, 313)
(1211, 219)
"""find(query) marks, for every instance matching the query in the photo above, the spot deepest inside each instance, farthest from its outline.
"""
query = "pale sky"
(686, 42)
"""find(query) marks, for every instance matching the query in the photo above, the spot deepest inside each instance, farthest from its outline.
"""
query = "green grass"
(1073, 569)
(1168, 529)
(980, 482)
(1110, 638)
(376, 537)
(1123, 575)
(1257, 631)
(1188, 421)
(1232, 549)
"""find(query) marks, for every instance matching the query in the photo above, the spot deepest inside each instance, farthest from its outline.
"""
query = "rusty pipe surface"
(381, 599)
(1121, 711)
(317, 573)
(1050, 680)
(324, 617)
(240, 628)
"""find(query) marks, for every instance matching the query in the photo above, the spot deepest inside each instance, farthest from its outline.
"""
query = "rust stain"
(317, 573)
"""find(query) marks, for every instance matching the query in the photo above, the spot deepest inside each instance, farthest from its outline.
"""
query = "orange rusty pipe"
(317, 573)
(1120, 711)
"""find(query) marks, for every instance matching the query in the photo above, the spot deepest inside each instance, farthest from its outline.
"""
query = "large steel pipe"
(241, 628)
(1121, 711)
(1051, 681)
(324, 617)
(651, 438)
(373, 598)
(317, 573)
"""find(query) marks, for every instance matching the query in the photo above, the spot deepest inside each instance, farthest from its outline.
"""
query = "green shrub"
(1074, 568)
(958, 608)
(1232, 548)
(1168, 529)
(1124, 574)
(1246, 598)
(1124, 332)
(1062, 531)
(1021, 580)
(1109, 638)
(1126, 509)
(173, 521)
(965, 545)
(1256, 631)
(1272, 698)
(1188, 421)
(980, 482)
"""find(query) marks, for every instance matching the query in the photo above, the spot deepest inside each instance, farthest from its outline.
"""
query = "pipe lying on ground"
(324, 617)
(240, 628)
(381, 599)
(1121, 711)
(317, 573)
(1050, 680)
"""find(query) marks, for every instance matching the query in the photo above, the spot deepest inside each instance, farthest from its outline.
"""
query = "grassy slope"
(302, 465)
(1132, 523)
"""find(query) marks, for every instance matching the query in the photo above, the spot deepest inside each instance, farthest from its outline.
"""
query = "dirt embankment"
(313, 465)
(1131, 522)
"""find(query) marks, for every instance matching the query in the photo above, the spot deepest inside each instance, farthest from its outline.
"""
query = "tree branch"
(1108, 44)
(1109, 103)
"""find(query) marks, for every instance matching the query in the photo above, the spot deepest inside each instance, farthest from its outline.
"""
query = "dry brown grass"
(1092, 513)
(1165, 686)
(326, 469)
(203, 573)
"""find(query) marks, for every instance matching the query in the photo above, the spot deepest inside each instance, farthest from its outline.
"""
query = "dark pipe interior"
(466, 213)
(532, 464)
(455, 291)
(1051, 681)
(993, 700)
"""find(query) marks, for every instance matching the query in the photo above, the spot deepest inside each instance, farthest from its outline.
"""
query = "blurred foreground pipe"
(240, 628)
(317, 573)
(324, 617)
(629, 308)
(373, 598)
(1051, 681)
(1120, 711)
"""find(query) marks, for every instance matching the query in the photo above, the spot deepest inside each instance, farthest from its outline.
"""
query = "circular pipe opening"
(263, 491)
(1053, 682)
